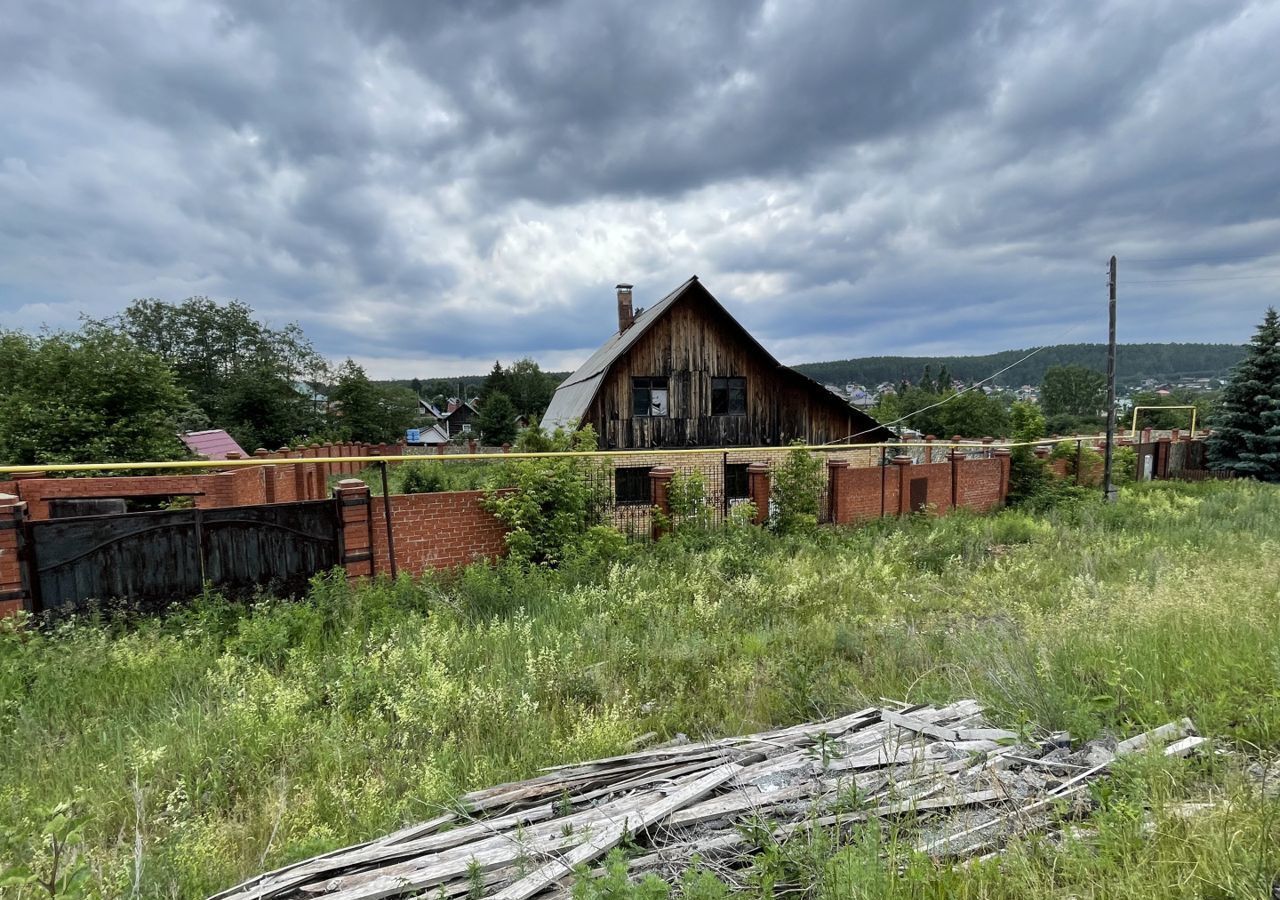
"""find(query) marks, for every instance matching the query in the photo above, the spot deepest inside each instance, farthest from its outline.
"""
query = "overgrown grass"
(206, 745)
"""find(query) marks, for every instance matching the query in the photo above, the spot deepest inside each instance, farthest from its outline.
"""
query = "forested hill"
(1134, 362)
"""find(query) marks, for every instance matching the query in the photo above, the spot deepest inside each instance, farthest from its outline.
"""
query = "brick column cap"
(837, 464)
(760, 468)
(9, 498)
(903, 460)
(662, 472)
(351, 484)
(1002, 451)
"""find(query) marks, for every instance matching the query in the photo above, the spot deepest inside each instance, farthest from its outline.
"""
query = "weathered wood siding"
(693, 343)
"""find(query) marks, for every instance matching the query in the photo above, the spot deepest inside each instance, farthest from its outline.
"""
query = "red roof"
(212, 444)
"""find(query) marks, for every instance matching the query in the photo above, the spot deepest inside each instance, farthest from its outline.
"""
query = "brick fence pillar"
(1042, 452)
(987, 442)
(758, 488)
(904, 489)
(1005, 455)
(835, 510)
(660, 496)
(928, 450)
(13, 595)
(355, 511)
(1162, 458)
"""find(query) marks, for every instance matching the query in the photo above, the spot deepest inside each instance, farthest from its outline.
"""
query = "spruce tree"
(1246, 432)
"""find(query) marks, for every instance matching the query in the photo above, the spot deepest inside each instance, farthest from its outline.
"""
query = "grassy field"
(173, 756)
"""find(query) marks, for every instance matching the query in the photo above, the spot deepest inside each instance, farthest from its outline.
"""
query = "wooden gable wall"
(692, 343)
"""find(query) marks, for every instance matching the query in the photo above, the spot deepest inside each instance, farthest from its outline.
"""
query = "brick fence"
(240, 486)
(430, 531)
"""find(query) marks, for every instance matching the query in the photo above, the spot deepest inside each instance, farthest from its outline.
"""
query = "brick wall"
(979, 484)
(861, 493)
(437, 531)
(430, 531)
(240, 486)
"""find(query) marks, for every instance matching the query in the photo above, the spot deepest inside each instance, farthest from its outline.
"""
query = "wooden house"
(684, 373)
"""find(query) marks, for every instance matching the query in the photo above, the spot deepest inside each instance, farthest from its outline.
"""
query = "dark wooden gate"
(152, 559)
(919, 496)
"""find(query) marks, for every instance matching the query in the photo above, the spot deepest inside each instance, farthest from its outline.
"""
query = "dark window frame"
(642, 389)
(737, 483)
(632, 486)
(724, 390)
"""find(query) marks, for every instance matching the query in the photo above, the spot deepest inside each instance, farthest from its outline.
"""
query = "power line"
(1197, 259)
(1195, 280)
(965, 390)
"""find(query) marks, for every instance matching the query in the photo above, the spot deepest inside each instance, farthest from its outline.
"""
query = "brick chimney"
(625, 316)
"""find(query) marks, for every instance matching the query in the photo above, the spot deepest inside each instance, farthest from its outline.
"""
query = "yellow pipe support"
(491, 457)
(1133, 426)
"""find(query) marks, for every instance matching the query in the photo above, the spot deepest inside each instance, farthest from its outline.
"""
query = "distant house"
(212, 444)
(319, 401)
(460, 417)
(430, 436)
(684, 373)
(429, 410)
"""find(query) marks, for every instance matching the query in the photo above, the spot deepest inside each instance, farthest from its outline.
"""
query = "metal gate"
(151, 559)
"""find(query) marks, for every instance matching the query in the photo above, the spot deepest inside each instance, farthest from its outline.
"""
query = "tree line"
(1136, 361)
(123, 388)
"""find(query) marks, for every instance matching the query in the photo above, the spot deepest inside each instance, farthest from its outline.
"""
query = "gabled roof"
(574, 396)
(212, 444)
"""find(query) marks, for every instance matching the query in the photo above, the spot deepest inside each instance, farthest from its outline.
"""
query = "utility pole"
(1108, 489)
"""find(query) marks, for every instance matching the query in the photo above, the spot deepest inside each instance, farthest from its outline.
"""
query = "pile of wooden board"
(964, 786)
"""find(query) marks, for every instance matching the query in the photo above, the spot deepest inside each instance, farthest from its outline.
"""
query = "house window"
(728, 396)
(466, 429)
(631, 486)
(648, 397)
(736, 484)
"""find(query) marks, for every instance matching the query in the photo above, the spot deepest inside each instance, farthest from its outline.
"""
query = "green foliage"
(1124, 465)
(525, 385)
(422, 478)
(497, 422)
(1026, 422)
(238, 371)
(371, 412)
(687, 497)
(1207, 404)
(87, 396)
(796, 490)
(1246, 433)
(554, 500)
(1076, 392)
(933, 408)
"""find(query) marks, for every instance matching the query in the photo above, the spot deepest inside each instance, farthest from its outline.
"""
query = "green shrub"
(797, 490)
(422, 478)
(687, 497)
(554, 501)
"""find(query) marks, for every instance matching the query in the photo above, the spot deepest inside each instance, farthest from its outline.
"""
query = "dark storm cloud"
(432, 185)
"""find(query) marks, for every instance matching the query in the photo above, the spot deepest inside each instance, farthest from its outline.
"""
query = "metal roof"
(575, 393)
(212, 444)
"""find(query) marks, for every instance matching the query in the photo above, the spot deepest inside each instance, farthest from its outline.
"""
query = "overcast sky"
(428, 186)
